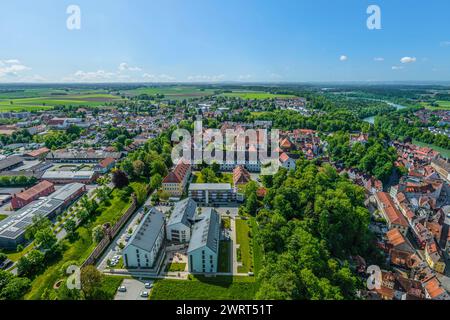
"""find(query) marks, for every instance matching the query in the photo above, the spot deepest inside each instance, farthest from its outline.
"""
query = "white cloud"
(206, 78)
(408, 60)
(12, 67)
(158, 77)
(445, 43)
(126, 67)
(378, 59)
(397, 67)
(343, 58)
(91, 76)
(244, 77)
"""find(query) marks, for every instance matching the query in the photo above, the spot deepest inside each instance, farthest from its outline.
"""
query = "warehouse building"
(23, 198)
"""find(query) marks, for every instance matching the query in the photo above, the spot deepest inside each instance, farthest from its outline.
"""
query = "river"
(372, 118)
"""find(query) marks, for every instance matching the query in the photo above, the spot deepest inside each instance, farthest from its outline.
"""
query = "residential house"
(143, 248)
(203, 251)
(175, 182)
(181, 220)
(391, 214)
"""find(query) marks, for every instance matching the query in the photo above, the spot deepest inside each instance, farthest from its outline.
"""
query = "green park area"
(206, 288)
(210, 177)
(78, 248)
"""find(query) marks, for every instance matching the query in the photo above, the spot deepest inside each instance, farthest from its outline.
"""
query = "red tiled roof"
(35, 190)
(178, 174)
(38, 152)
(106, 162)
(284, 157)
(434, 288)
(392, 213)
(240, 175)
(395, 237)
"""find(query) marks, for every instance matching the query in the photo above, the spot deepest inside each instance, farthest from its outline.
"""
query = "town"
(97, 187)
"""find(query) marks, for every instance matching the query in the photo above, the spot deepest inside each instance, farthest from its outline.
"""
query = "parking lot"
(134, 288)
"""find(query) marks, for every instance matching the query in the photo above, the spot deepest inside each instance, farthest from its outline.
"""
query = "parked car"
(144, 294)
(148, 285)
(122, 289)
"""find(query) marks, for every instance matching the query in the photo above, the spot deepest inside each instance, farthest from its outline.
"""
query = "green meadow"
(172, 92)
(48, 102)
(256, 95)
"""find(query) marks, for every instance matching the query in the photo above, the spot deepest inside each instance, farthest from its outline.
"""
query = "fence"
(110, 234)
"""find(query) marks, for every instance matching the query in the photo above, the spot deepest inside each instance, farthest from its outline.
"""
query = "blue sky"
(226, 40)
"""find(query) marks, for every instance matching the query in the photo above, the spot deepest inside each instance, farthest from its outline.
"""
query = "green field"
(176, 267)
(3, 216)
(256, 95)
(172, 92)
(48, 102)
(242, 238)
(206, 288)
(79, 249)
(443, 105)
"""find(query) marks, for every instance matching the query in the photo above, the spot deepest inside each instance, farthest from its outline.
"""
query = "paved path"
(234, 262)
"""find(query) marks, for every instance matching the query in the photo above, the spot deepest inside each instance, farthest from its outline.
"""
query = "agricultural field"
(442, 105)
(172, 92)
(256, 95)
(45, 102)
(206, 288)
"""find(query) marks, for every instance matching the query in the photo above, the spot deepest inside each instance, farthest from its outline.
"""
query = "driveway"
(134, 289)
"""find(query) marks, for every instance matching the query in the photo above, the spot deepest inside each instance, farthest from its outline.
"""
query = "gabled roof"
(241, 175)
(183, 212)
(34, 191)
(148, 230)
(392, 213)
(178, 174)
(206, 232)
(106, 162)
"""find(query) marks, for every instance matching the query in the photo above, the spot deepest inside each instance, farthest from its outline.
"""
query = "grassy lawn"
(203, 288)
(15, 256)
(224, 256)
(176, 267)
(222, 178)
(3, 216)
(109, 286)
(80, 248)
(242, 238)
(257, 249)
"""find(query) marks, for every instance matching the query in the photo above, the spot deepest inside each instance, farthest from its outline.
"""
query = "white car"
(148, 285)
(116, 257)
(144, 294)
(122, 289)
